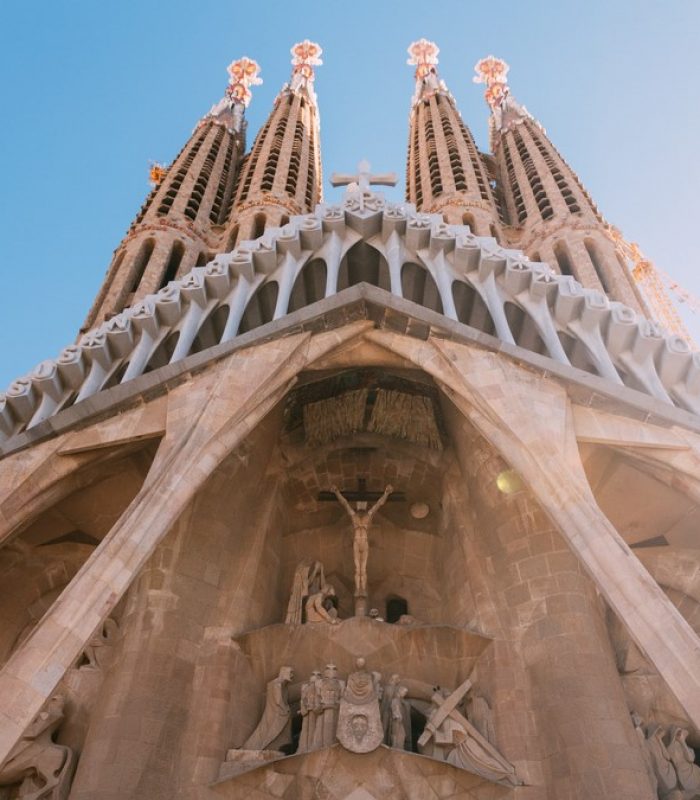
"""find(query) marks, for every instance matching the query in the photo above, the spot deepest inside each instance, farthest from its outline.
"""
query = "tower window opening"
(561, 254)
(174, 260)
(142, 259)
(593, 254)
(259, 222)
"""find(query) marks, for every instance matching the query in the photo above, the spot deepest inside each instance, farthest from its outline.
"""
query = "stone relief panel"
(365, 710)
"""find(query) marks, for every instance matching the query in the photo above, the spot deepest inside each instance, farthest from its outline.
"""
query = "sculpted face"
(286, 674)
(359, 726)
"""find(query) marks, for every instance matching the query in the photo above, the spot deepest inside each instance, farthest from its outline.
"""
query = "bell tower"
(179, 224)
(281, 176)
(445, 171)
(552, 217)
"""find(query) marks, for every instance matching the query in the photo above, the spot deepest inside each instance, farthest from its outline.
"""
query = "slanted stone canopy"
(415, 256)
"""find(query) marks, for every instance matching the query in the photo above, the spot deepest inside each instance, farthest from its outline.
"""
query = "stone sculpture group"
(669, 760)
(363, 712)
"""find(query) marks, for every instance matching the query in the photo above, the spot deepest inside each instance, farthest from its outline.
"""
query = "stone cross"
(363, 180)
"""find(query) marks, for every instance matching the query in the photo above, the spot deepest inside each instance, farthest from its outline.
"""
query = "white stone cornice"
(525, 302)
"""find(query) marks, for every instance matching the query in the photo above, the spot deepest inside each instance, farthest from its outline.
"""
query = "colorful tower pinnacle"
(179, 224)
(552, 217)
(445, 171)
(281, 176)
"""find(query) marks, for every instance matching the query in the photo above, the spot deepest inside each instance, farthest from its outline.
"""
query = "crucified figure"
(361, 520)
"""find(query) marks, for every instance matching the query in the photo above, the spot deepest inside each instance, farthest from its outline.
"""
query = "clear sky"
(92, 90)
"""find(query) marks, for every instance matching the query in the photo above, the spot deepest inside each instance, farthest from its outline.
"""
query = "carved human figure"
(274, 729)
(664, 770)
(316, 606)
(361, 697)
(361, 520)
(308, 704)
(331, 691)
(458, 742)
(308, 579)
(390, 688)
(399, 730)
(480, 715)
(683, 759)
(43, 767)
(646, 752)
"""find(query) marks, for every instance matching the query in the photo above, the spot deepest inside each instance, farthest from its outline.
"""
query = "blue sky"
(92, 90)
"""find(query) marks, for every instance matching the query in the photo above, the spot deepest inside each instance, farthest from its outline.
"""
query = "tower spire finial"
(424, 56)
(305, 56)
(243, 73)
(493, 72)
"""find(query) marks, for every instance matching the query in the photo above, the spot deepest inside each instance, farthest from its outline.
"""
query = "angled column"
(445, 172)
(530, 424)
(179, 224)
(552, 217)
(281, 176)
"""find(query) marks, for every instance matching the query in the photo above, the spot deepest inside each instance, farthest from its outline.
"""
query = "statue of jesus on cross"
(361, 520)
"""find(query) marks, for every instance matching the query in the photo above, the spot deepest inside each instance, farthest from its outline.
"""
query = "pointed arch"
(471, 309)
(524, 329)
(418, 285)
(261, 307)
(309, 286)
(364, 264)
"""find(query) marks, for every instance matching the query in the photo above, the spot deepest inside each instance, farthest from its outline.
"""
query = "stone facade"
(369, 539)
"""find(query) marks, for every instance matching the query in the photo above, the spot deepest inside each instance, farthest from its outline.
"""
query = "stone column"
(559, 708)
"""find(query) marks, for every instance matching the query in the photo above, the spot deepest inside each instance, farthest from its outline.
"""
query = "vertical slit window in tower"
(142, 259)
(452, 150)
(232, 239)
(259, 222)
(295, 159)
(594, 255)
(417, 171)
(177, 251)
(179, 176)
(540, 195)
(275, 148)
(204, 258)
(251, 160)
(468, 219)
(561, 253)
(477, 166)
(519, 203)
(219, 205)
(200, 186)
(562, 185)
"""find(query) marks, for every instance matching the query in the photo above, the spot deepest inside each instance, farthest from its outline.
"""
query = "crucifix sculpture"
(361, 519)
(361, 182)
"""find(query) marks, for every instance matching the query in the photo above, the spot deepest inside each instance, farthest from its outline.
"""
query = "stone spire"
(281, 176)
(179, 225)
(551, 215)
(445, 171)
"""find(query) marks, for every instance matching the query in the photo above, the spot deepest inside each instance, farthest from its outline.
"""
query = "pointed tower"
(551, 215)
(445, 172)
(281, 176)
(179, 225)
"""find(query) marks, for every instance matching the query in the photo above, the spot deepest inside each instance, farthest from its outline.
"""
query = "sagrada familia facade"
(359, 500)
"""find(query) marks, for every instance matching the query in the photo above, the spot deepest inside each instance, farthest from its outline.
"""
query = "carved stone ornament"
(360, 727)
(43, 768)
